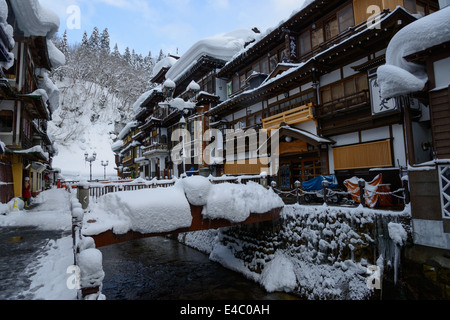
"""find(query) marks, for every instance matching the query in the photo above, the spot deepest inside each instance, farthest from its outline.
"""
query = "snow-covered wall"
(318, 252)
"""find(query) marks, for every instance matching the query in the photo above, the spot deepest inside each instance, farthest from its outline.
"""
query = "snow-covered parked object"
(235, 202)
(223, 47)
(400, 77)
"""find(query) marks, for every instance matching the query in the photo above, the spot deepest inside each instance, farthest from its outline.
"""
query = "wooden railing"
(97, 190)
(344, 104)
(291, 117)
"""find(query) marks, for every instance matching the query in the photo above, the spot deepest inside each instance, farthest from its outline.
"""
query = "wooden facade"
(24, 114)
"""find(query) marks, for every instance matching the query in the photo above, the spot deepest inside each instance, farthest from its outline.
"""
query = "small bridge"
(198, 224)
(95, 192)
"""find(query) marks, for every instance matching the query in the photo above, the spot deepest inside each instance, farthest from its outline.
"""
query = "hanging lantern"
(169, 89)
(192, 90)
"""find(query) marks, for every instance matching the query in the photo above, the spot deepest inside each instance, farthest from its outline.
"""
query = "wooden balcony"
(292, 117)
(343, 105)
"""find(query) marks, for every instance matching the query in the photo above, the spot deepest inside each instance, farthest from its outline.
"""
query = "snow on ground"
(48, 274)
(52, 213)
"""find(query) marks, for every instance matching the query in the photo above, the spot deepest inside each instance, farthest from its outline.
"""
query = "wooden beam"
(198, 223)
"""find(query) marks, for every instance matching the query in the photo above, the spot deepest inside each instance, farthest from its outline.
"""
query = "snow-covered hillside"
(85, 122)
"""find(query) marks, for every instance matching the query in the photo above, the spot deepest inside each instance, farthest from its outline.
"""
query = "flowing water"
(164, 269)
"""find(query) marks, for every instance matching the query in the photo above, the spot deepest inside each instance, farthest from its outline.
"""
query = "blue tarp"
(316, 183)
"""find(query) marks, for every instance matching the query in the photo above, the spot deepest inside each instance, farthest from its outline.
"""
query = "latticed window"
(444, 180)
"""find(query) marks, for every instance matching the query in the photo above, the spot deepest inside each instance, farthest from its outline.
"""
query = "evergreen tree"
(116, 52)
(127, 55)
(85, 41)
(105, 41)
(148, 62)
(94, 40)
(64, 45)
(161, 56)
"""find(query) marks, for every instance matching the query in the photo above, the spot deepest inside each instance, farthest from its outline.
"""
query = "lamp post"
(105, 164)
(90, 159)
(183, 127)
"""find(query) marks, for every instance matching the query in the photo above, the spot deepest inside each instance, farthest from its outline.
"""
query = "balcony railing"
(291, 117)
(156, 148)
(343, 105)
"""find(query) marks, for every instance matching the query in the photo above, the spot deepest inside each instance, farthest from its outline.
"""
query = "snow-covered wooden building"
(28, 95)
(418, 67)
(316, 73)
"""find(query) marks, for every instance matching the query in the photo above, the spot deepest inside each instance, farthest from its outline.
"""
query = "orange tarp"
(369, 192)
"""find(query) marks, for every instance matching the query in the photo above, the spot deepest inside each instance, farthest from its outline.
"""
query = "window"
(337, 92)
(316, 37)
(242, 81)
(345, 18)
(305, 43)
(256, 68)
(361, 83)
(6, 121)
(331, 29)
(265, 66)
(410, 5)
(326, 95)
(421, 9)
(273, 62)
(349, 87)
(235, 84)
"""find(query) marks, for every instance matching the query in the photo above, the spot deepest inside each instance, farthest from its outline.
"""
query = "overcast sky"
(171, 25)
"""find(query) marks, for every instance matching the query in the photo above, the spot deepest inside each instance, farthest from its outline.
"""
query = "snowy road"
(35, 250)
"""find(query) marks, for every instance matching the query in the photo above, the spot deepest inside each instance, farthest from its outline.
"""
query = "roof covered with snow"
(34, 19)
(167, 62)
(223, 47)
(398, 76)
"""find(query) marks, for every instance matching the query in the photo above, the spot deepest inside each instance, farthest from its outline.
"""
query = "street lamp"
(105, 164)
(90, 159)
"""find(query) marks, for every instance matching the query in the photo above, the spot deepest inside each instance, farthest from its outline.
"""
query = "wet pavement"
(19, 249)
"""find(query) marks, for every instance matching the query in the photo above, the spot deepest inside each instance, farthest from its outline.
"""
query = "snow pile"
(398, 76)
(138, 104)
(147, 211)
(52, 213)
(90, 262)
(167, 62)
(162, 210)
(197, 190)
(397, 233)
(235, 202)
(9, 31)
(279, 275)
(223, 47)
(35, 19)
